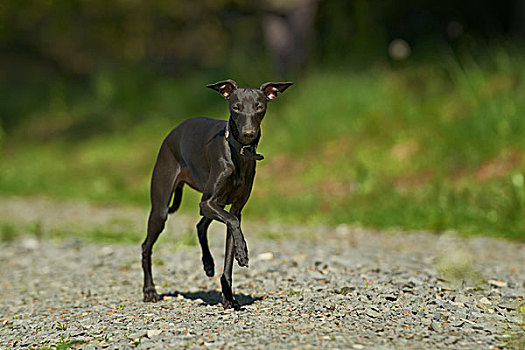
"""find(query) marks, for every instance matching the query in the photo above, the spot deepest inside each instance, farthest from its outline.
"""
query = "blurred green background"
(404, 114)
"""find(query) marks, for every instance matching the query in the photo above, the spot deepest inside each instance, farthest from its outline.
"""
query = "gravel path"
(314, 287)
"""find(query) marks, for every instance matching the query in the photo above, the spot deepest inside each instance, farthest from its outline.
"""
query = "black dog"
(216, 158)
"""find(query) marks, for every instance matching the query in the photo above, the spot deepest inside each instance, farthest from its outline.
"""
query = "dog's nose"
(250, 135)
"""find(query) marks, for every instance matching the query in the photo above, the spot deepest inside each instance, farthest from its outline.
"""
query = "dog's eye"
(259, 108)
(236, 108)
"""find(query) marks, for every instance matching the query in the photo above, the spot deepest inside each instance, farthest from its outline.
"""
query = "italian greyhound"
(216, 158)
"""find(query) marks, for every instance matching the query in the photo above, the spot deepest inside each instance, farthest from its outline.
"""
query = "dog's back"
(190, 141)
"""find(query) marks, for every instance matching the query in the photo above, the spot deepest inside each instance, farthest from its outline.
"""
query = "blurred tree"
(76, 36)
(289, 32)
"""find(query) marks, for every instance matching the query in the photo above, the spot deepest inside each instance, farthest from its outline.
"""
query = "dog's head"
(247, 107)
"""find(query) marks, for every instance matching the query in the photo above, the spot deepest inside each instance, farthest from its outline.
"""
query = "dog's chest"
(237, 186)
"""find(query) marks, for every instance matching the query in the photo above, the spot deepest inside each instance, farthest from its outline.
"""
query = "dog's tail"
(177, 198)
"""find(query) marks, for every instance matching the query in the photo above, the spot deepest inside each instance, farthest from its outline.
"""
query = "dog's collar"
(248, 151)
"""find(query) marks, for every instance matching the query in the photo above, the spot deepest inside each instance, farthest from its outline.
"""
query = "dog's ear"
(270, 90)
(225, 88)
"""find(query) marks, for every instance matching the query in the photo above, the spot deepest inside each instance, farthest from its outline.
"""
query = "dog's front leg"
(226, 279)
(212, 210)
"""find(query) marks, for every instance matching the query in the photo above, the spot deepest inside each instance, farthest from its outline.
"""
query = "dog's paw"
(231, 304)
(209, 266)
(241, 255)
(150, 295)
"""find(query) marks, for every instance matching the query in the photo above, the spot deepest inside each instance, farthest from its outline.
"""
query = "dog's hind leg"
(207, 259)
(162, 182)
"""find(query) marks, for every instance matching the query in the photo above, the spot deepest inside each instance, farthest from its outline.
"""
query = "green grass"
(8, 232)
(65, 344)
(434, 146)
(110, 232)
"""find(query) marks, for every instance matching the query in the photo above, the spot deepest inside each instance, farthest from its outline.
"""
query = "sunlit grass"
(427, 146)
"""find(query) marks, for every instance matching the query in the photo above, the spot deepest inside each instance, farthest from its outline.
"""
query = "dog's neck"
(246, 151)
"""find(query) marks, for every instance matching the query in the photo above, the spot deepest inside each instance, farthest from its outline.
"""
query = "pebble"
(436, 326)
(372, 313)
(497, 283)
(485, 301)
(511, 303)
(359, 290)
(153, 333)
(389, 297)
(265, 256)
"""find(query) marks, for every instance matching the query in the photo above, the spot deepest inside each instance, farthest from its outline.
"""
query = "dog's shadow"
(212, 297)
